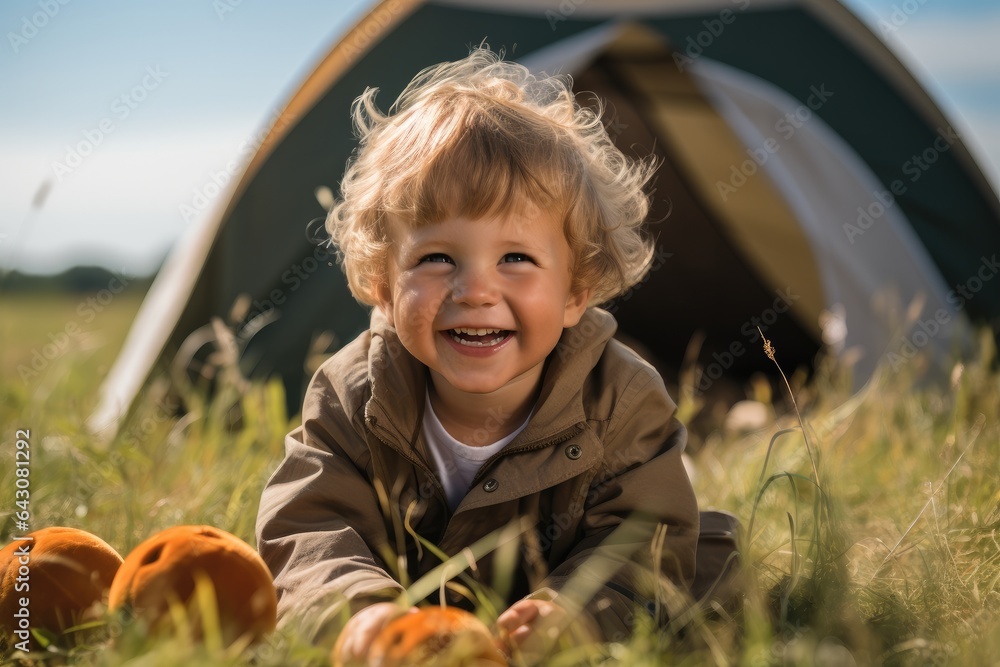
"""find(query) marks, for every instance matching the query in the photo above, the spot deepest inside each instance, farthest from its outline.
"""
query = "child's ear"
(576, 306)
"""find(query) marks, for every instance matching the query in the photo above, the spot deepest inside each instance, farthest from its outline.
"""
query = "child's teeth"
(475, 343)
(477, 332)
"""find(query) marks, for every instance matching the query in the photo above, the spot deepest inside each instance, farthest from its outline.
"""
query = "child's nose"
(474, 287)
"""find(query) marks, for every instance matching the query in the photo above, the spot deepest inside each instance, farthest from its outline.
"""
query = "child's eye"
(515, 257)
(436, 257)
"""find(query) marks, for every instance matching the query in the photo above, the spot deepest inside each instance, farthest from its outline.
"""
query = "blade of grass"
(976, 430)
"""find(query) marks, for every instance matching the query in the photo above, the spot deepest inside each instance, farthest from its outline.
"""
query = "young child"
(484, 218)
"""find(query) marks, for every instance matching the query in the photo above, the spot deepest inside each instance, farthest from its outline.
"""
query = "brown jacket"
(602, 445)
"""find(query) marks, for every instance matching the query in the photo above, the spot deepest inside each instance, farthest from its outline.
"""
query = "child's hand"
(531, 629)
(361, 630)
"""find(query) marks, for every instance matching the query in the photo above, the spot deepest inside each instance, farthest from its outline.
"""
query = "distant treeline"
(79, 279)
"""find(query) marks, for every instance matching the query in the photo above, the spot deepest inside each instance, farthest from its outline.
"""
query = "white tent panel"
(826, 183)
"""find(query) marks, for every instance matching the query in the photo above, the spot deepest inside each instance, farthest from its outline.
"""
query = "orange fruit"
(165, 569)
(435, 636)
(62, 574)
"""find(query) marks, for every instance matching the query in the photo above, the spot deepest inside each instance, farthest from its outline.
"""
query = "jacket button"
(490, 485)
(574, 452)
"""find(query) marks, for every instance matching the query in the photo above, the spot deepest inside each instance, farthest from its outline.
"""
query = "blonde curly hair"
(485, 137)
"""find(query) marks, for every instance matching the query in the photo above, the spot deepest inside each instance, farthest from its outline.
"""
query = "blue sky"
(171, 92)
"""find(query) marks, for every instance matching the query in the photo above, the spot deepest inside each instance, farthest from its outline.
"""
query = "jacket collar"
(398, 381)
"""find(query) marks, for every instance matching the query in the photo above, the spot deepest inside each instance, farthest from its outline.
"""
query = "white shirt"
(456, 462)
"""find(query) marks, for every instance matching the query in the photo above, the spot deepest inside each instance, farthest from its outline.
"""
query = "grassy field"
(878, 543)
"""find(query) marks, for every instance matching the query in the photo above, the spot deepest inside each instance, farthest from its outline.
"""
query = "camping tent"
(808, 184)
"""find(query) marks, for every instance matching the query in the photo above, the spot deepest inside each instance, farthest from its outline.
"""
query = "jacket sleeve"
(640, 519)
(319, 518)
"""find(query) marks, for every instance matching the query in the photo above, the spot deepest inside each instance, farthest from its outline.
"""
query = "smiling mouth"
(478, 337)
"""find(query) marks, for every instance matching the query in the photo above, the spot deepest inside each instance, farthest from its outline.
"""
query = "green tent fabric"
(804, 169)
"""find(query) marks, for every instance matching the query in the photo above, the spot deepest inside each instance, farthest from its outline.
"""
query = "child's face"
(510, 274)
